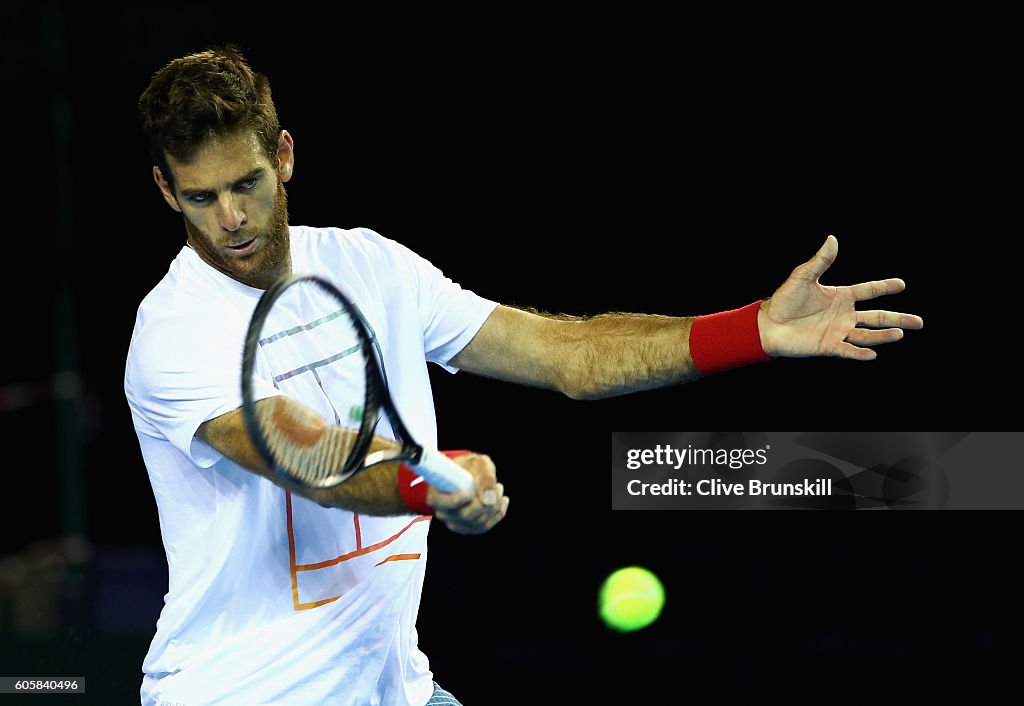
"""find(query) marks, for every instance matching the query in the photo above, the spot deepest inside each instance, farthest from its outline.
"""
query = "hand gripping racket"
(314, 344)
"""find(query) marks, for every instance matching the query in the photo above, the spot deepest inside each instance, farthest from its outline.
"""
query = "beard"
(270, 261)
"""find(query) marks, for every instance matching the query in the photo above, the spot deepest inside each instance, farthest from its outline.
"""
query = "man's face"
(235, 208)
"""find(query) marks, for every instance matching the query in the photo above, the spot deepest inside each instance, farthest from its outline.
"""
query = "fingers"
(870, 290)
(870, 337)
(479, 513)
(866, 337)
(488, 490)
(852, 352)
(888, 319)
(485, 474)
(887, 326)
(823, 259)
(484, 478)
(474, 518)
(485, 521)
(474, 511)
(440, 500)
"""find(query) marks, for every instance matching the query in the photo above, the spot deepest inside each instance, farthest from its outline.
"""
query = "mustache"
(246, 238)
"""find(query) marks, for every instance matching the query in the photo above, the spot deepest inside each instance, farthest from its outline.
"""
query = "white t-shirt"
(274, 599)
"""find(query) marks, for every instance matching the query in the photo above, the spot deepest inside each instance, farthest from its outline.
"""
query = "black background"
(581, 165)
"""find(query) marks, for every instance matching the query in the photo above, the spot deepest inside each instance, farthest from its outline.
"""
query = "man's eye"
(199, 198)
(249, 183)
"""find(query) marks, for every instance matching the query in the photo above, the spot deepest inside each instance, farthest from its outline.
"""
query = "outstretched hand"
(806, 318)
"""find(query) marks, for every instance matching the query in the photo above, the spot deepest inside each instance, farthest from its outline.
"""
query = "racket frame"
(445, 474)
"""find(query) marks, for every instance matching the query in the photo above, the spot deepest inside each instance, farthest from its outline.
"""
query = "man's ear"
(285, 155)
(165, 189)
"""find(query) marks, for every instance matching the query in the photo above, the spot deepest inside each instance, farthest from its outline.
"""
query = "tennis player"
(282, 596)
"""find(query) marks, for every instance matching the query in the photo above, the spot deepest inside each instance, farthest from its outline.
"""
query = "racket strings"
(308, 340)
(302, 443)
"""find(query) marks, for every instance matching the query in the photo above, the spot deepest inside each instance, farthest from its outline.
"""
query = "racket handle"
(443, 473)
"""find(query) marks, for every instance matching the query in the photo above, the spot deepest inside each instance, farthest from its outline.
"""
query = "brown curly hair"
(203, 95)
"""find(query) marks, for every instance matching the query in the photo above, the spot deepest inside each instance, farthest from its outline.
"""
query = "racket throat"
(390, 456)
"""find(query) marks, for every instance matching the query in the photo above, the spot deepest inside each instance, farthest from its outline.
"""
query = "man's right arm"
(371, 492)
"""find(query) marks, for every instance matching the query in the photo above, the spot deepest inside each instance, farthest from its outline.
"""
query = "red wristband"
(414, 489)
(726, 340)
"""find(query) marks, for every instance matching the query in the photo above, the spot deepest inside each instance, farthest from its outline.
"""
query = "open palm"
(805, 318)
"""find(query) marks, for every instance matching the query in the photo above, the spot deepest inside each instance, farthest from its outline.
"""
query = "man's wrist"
(414, 491)
(764, 326)
(728, 339)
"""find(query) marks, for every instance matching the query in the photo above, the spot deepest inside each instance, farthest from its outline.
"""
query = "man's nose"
(231, 215)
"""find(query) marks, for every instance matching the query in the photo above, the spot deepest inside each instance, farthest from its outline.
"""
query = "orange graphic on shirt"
(359, 551)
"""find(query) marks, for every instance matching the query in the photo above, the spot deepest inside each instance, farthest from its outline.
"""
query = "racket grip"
(443, 473)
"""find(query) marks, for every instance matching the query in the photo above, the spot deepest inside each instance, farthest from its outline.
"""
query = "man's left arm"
(616, 354)
(602, 356)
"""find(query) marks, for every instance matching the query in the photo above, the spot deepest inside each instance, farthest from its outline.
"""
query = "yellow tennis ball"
(631, 598)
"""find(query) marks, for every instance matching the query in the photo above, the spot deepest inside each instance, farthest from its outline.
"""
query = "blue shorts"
(442, 698)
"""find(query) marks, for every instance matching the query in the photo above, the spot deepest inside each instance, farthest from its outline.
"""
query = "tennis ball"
(631, 598)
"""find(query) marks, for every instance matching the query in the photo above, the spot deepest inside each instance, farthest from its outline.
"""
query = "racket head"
(311, 342)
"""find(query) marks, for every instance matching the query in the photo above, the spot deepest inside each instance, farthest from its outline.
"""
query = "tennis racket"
(314, 344)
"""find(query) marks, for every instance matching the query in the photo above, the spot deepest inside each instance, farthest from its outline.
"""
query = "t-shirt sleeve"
(181, 374)
(450, 314)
